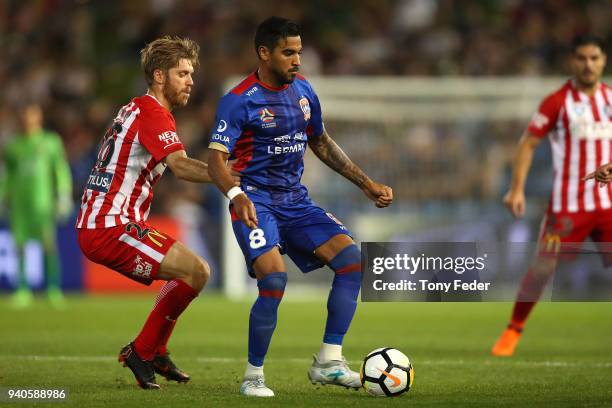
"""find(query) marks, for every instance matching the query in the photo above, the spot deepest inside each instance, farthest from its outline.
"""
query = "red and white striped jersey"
(580, 131)
(129, 163)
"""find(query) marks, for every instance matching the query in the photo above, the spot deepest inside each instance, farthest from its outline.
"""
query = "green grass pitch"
(564, 359)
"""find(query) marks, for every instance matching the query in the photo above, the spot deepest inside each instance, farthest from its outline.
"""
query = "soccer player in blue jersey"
(266, 123)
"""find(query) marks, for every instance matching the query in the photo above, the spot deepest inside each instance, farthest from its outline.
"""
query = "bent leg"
(329, 367)
(531, 287)
(265, 263)
(186, 274)
(530, 290)
(344, 258)
(556, 229)
(181, 263)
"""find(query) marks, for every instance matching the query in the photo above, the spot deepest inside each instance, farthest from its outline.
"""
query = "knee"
(200, 274)
(348, 260)
(274, 280)
(273, 285)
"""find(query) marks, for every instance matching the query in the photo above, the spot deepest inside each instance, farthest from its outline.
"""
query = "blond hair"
(165, 52)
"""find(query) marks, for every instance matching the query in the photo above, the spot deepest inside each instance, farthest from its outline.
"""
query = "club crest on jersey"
(579, 108)
(222, 126)
(305, 107)
(608, 110)
(267, 117)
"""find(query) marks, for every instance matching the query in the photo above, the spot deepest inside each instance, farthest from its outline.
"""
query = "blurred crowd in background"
(80, 60)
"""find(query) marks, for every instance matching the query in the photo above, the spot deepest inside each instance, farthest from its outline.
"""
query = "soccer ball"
(386, 372)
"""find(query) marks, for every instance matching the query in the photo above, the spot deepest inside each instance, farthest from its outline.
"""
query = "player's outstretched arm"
(222, 177)
(515, 197)
(186, 168)
(196, 171)
(331, 154)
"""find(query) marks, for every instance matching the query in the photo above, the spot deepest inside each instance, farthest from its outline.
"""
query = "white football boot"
(335, 372)
(255, 387)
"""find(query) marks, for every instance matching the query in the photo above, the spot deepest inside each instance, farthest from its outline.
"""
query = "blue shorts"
(296, 229)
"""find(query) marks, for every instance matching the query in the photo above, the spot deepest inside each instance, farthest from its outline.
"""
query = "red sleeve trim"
(171, 149)
(245, 85)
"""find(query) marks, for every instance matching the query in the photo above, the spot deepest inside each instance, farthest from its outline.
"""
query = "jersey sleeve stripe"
(218, 146)
(245, 85)
(244, 150)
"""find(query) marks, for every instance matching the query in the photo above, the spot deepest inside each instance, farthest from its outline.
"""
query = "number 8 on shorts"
(256, 238)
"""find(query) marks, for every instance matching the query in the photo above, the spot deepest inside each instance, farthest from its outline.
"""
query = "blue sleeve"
(315, 126)
(229, 122)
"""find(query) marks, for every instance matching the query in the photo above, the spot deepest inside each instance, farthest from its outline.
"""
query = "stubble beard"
(283, 78)
(174, 97)
(587, 83)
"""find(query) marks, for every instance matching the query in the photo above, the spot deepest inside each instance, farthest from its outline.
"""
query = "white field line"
(229, 360)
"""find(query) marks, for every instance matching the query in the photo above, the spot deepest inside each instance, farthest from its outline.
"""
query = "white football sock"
(329, 352)
(252, 371)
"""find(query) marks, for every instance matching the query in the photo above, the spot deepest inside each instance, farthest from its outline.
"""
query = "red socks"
(172, 300)
(531, 288)
(519, 314)
(162, 349)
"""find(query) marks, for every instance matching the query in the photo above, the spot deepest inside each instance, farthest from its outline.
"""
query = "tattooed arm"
(332, 155)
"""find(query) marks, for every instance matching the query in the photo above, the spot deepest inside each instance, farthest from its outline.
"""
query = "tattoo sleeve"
(331, 154)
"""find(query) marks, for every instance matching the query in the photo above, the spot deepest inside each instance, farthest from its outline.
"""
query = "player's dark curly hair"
(271, 30)
(587, 39)
(165, 52)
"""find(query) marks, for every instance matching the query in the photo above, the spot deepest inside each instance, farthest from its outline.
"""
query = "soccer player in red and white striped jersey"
(112, 227)
(578, 121)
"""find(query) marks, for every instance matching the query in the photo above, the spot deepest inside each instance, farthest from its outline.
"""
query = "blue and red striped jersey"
(266, 131)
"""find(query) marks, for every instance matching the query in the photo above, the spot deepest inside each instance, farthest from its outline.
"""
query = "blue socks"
(262, 321)
(341, 304)
(342, 300)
